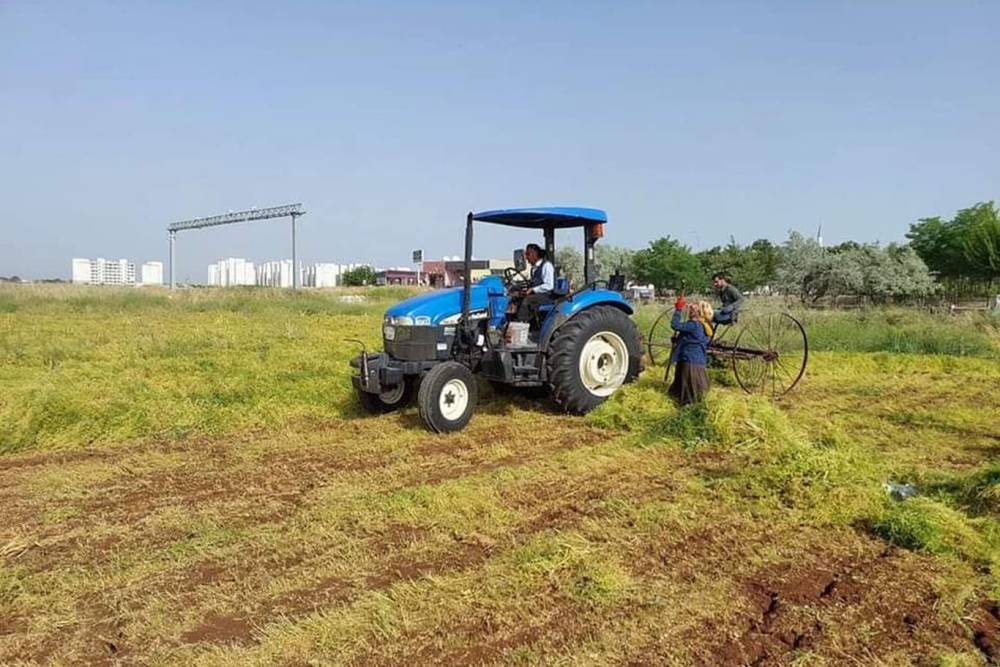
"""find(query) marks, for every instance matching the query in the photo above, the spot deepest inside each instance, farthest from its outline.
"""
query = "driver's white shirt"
(548, 277)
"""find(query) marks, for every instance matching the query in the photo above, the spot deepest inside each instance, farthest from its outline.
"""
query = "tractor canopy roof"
(557, 217)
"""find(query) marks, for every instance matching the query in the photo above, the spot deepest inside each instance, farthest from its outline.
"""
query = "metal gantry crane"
(294, 211)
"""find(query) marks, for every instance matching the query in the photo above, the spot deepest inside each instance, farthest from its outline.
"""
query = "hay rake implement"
(768, 352)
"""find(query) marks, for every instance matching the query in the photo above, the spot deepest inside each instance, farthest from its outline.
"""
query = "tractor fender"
(566, 309)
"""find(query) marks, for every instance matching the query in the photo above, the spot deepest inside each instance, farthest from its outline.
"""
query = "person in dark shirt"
(689, 352)
(732, 299)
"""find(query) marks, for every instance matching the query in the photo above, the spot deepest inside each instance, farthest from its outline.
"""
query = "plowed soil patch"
(986, 629)
(220, 629)
(884, 594)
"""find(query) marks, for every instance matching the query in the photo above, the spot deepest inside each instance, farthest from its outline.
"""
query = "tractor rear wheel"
(447, 397)
(396, 398)
(592, 356)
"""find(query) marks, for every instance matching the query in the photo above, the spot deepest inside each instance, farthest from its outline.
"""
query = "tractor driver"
(540, 283)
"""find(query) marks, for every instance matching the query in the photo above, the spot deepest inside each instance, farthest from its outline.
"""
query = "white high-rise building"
(231, 271)
(326, 274)
(81, 270)
(101, 271)
(276, 273)
(152, 273)
(322, 274)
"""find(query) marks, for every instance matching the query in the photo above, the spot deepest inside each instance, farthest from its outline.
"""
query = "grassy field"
(185, 479)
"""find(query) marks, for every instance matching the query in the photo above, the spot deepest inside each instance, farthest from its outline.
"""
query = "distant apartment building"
(102, 271)
(325, 274)
(81, 270)
(152, 273)
(277, 273)
(322, 274)
(232, 271)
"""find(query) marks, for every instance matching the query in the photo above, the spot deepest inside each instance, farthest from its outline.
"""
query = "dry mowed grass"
(235, 507)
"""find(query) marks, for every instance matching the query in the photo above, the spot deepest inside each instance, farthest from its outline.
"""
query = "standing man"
(732, 299)
(540, 284)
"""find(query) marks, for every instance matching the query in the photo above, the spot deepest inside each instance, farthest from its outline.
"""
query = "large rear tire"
(592, 356)
(395, 399)
(447, 397)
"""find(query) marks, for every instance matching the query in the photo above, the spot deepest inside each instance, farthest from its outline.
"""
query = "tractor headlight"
(423, 321)
(389, 331)
(403, 320)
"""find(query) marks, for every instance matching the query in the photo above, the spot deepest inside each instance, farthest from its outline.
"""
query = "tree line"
(964, 252)
(960, 257)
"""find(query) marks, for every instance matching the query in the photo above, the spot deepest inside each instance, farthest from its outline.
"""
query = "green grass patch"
(891, 329)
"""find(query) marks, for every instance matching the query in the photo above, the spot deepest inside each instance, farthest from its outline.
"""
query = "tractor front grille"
(417, 343)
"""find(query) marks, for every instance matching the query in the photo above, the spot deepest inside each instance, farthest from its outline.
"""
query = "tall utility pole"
(172, 236)
(293, 210)
(295, 266)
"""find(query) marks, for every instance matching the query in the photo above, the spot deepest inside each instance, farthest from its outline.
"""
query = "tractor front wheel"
(396, 398)
(592, 356)
(447, 397)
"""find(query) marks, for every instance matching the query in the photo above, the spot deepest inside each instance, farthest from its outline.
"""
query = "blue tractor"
(580, 348)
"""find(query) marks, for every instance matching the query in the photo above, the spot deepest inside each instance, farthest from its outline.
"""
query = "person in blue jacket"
(689, 352)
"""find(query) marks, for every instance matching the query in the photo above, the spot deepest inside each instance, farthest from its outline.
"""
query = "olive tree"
(812, 272)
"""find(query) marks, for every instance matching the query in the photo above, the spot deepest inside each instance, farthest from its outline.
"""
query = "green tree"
(939, 244)
(960, 247)
(804, 268)
(669, 264)
(719, 260)
(891, 273)
(881, 274)
(904, 275)
(963, 252)
(749, 267)
(766, 258)
(570, 263)
(361, 275)
(981, 240)
(610, 259)
(846, 246)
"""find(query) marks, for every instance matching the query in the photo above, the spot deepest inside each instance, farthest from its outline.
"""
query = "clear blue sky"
(390, 120)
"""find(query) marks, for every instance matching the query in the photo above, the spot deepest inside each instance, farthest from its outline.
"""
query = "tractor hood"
(435, 307)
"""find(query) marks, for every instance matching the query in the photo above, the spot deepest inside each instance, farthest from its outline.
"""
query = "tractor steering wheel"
(514, 280)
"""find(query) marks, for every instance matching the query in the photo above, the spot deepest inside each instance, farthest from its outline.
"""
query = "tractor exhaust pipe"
(467, 274)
